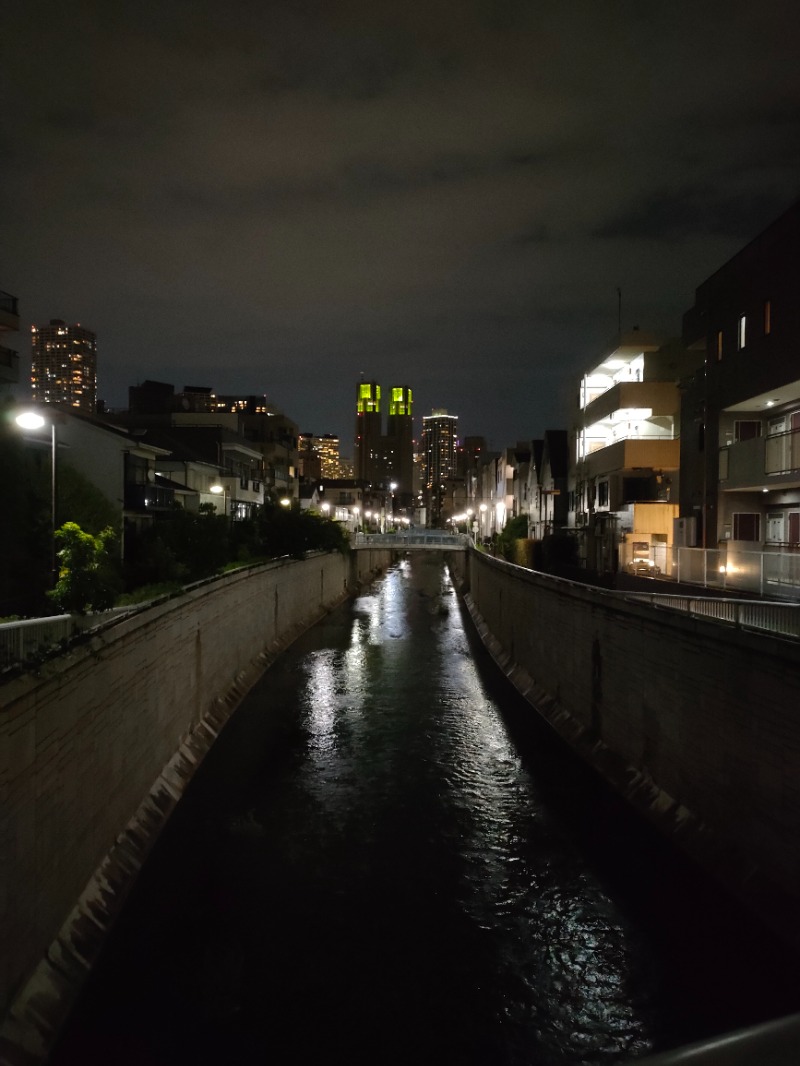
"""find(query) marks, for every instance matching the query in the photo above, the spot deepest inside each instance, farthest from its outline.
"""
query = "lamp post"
(221, 490)
(33, 420)
(356, 513)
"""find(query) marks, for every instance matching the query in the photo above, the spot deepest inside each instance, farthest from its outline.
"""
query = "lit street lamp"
(221, 490)
(33, 420)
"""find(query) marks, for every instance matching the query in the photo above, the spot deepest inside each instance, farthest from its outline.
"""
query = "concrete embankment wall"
(97, 748)
(695, 722)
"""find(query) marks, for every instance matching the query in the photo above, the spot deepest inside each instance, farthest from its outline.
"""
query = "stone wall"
(694, 721)
(96, 749)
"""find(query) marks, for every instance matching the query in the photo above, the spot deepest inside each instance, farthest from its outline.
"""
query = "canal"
(388, 858)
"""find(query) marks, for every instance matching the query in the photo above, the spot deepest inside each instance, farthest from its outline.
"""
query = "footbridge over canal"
(413, 540)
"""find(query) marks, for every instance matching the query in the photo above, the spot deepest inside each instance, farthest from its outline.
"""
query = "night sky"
(276, 197)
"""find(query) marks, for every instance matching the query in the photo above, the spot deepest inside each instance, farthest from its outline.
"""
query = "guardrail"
(24, 640)
(778, 618)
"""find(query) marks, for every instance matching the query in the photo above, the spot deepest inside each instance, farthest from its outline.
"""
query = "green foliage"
(514, 530)
(280, 531)
(179, 548)
(26, 528)
(86, 577)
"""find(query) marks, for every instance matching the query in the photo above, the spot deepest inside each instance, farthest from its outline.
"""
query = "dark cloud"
(279, 195)
(695, 212)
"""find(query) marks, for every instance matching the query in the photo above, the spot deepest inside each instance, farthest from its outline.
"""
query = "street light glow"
(29, 420)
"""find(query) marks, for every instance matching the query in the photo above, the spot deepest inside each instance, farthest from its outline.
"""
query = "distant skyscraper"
(367, 460)
(325, 451)
(399, 448)
(64, 365)
(439, 430)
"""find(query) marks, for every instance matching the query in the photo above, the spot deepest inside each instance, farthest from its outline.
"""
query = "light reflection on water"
(371, 868)
(400, 727)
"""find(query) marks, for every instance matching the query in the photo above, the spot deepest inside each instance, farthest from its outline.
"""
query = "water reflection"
(369, 868)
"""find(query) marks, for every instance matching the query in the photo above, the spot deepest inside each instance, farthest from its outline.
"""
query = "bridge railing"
(418, 539)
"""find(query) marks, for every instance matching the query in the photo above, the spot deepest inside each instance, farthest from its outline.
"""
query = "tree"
(86, 576)
(514, 530)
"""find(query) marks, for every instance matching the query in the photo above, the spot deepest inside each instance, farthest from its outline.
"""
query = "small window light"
(742, 331)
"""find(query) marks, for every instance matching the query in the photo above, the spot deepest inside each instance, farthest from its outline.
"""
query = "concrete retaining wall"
(697, 723)
(96, 750)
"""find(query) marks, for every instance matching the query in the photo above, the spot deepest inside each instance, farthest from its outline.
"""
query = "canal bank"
(99, 745)
(387, 858)
(692, 721)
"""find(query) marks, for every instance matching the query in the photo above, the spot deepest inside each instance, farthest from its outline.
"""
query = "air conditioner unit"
(684, 532)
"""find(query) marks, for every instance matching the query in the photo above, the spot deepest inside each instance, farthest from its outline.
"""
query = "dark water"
(387, 859)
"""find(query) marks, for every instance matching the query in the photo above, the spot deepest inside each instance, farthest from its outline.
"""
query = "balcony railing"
(149, 498)
(782, 452)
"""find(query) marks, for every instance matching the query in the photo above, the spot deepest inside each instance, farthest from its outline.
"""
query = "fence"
(780, 619)
(23, 640)
(773, 574)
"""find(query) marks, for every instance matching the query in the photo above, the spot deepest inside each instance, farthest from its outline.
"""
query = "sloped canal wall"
(96, 749)
(695, 722)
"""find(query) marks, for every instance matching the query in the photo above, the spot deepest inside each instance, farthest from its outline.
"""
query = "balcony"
(761, 462)
(661, 397)
(149, 498)
(645, 453)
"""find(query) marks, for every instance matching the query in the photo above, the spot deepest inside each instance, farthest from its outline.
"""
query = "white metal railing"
(774, 575)
(418, 539)
(782, 619)
(23, 640)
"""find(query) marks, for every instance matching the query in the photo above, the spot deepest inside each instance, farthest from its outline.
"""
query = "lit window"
(742, 331)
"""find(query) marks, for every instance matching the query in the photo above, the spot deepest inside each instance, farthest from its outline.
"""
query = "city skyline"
(279, 201)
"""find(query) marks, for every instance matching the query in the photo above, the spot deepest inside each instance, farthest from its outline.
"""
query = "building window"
(746, 429)
(719, 346)
(742, 334)
(747, 526)
(767, 318)
(602, 494)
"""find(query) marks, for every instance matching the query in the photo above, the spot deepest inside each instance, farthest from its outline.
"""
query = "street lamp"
(33, 420)
(325, 508)
(356, 513)
(220, 490)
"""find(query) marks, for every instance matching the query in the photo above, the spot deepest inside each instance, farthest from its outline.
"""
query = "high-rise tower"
(399, 444)
(368, 445)
(64, 365)
(439, 431)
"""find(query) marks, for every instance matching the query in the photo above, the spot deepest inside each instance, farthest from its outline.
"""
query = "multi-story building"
(439, 438)
(399, 444)
(319, 456)
(64, 365)
(368, 445)
(263, 429)
(9, 323)
(627, 456)
(740, 449)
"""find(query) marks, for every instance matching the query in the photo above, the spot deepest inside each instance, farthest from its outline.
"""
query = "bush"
(86, 577)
